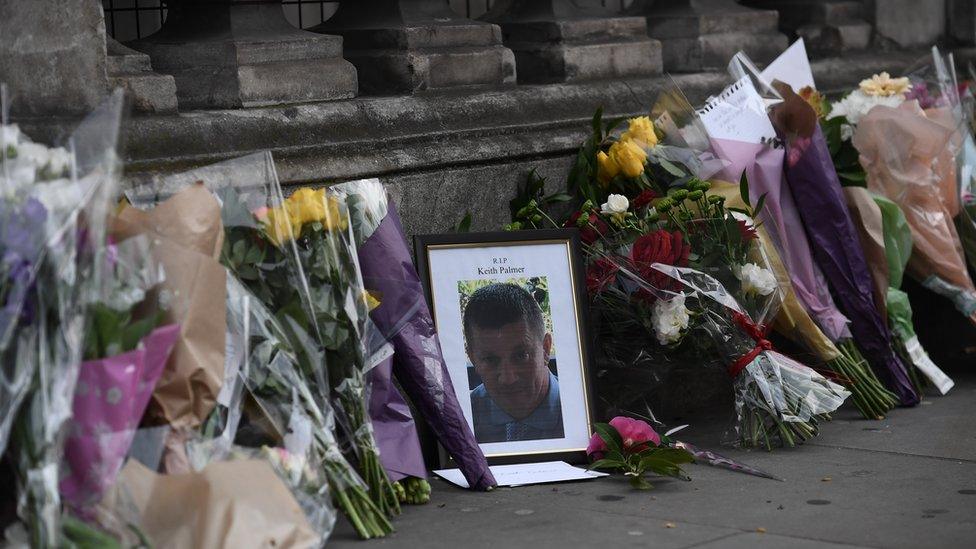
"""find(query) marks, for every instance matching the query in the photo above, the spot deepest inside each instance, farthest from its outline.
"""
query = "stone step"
(123, 60)
(408, 71)
(149, 92)
(836, 12)
(682, 25)
(576, 62)
(713, 51)
(834, 39)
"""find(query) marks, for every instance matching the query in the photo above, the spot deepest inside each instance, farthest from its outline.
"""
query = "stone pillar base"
(828, 27)
(406, 46)
(246, 55)
(699, 35)
(575, 50)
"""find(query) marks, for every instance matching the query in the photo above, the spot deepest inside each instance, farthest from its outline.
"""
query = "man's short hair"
(498, 304)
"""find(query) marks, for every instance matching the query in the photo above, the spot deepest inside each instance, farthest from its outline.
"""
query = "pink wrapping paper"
(907, 154)
(763, 166)
(110, 398)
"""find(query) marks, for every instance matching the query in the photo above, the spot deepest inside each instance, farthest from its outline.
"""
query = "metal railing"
(131, 19)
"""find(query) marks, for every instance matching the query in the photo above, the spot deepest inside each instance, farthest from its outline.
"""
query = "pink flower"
(597, 447)
(635, 433)
(261, 213)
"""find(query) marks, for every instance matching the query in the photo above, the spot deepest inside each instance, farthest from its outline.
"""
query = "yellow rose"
(607, 169)
(629, 156)
(641, 131)
(884, 85)
(279, 226)
(334, 218)
(307, 205)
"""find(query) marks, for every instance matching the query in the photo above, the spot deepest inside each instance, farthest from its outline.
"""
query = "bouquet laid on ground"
(635, 448)
(908, 155)
(54, 209)
(749, 144)
(404, 319)
(126, 349)
(673, 220)
(312, 336)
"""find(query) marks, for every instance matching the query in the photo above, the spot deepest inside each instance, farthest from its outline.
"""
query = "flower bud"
(679, 195)
(695, 195)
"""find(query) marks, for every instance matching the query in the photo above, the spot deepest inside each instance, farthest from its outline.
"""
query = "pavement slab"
(907, 481)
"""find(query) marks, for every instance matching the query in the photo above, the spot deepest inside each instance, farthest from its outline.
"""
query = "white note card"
(791, 67)
(737, 114)
(526, 473)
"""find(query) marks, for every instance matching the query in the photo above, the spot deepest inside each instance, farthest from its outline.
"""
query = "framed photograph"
(510, 314)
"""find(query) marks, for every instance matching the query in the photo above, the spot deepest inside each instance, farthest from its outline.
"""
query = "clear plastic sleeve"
(297, 256)
(70, 191)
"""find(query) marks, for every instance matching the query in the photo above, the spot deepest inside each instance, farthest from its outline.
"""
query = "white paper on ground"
(925, 365)
(526, 473)
(738, 114)
(791, 67)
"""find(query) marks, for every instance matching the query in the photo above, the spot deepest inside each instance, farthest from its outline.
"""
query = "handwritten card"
(791, 67)
(526, 473)
(737, 114)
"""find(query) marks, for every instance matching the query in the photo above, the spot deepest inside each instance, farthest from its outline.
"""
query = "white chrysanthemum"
(756, 280)
(857, 104)
(670, 319)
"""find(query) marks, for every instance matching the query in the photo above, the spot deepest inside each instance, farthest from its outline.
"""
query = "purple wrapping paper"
(404, 318)
(763, 166)
(813, 181)
(110, 398)
(393, 426)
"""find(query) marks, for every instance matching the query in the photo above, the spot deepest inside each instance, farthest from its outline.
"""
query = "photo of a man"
(508, 344)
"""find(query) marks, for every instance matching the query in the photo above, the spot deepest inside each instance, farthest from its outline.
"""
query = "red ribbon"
(758, 333)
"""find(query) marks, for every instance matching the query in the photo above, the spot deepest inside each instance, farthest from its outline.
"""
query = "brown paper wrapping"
(792, 320)
(188, 236)
(230, 504)
(870, 229)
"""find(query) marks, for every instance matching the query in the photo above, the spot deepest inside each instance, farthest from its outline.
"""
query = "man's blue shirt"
(492, 424)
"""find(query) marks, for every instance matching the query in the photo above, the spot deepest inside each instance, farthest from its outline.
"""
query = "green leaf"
(744, 189)
(739, 210)
(671, 168)
(759, 205)
(597, 124)
(610, 436)
(673, 455)
(663, 467)
(607, 464)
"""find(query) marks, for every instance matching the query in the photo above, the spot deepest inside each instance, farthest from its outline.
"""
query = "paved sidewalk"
(907, 481)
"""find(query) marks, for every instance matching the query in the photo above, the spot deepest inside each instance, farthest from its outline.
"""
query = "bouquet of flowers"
(778, 401)
(908, 155)
(126, 349)
(263, 249)
(405, 320)
(55, 208)
(761, 160)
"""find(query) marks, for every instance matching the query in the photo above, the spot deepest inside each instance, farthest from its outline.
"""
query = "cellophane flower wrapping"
(271, 246)
(126, 349)
(777, 399)
(405, 320)
(61, 198)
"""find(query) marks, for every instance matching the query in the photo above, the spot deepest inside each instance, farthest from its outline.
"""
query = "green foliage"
(843, 153)
(115, 332)
(463, 226)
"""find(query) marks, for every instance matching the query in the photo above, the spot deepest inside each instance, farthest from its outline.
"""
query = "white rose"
(59, 161)
(670, 319)
(756, 280)
(615, 204)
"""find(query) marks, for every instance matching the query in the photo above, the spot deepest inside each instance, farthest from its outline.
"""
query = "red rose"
(600, 274)
(644, 198)
(663, 247)
(591, 232)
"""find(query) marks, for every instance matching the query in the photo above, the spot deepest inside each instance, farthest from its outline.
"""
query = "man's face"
(513, 363)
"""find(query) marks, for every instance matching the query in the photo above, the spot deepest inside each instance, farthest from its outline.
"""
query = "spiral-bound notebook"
(737, 114)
